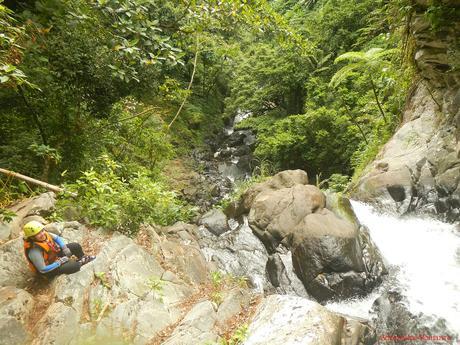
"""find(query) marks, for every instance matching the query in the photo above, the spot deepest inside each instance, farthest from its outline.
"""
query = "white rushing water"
(424, 257)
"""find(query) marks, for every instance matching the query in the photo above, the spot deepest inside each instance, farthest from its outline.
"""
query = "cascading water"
(423, 256)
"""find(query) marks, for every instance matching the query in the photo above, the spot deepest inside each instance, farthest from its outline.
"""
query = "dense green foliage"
(329, 109)
(107, 200)
(87, 79)
(142, 81)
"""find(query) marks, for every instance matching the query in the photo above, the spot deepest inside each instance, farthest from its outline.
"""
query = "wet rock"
(394, 323)
(215, 190)
(215, 221)
(280, 273)
(236, 138)
(331, 253)
(239, 253)
(282, 320)
(243, 150)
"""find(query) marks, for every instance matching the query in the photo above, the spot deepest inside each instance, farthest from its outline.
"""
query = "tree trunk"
(35, 117)
(195, 60)
(377, 100)
(353, 120)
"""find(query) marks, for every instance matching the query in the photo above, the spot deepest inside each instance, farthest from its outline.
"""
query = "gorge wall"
(419, 168)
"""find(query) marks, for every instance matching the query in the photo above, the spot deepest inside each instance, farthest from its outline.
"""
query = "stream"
(423, 257)
(422, 254)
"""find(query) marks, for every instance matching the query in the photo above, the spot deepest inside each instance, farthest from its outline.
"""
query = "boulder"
(15, 305)
(14, 269)
(394, 322)
(283, 179)
(274, 213)
(215, 221)
(281, 320)
(239, 253)
(27, 210)
(329, 246)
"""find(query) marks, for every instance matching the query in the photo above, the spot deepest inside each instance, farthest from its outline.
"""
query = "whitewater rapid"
(423, 256)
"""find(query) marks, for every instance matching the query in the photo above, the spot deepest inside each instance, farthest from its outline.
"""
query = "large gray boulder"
(15, 306)
(136, 291)
(27, 210)
(239, 253)
(394, 322)
(281, 320)
(419, 168)
(330, 249)
(14, 269)
(215, 221)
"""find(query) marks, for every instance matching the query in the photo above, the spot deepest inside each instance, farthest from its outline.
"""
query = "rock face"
(128, 293)
(14, 270)
(156, 289)
(292, 320)
(27, 210)
(238, 253)
(215, 221)
(419, 168)
(15, 305)
(394, 323)
(332, 253)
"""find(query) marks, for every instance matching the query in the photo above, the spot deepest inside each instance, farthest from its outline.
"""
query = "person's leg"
(69, 267)
(76, 249)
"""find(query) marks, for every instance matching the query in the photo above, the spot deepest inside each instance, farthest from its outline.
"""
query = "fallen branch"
(48, 186)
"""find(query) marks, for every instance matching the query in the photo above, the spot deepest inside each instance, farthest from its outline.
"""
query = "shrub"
(107, 200)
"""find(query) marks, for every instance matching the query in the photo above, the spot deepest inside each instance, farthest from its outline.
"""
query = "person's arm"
(59, 240)
(36, 257)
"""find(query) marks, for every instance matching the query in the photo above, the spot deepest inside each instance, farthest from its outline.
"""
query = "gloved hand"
(67, 252)
(62, 260)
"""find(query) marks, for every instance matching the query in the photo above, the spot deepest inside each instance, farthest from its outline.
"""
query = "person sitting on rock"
(48, 254)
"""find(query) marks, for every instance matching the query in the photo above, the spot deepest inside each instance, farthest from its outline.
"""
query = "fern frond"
(350, 56)
(343, 74)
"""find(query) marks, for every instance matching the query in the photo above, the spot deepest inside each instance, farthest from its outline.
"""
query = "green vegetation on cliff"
(142, 81)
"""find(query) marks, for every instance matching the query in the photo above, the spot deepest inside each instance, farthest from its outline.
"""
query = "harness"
(49, 250)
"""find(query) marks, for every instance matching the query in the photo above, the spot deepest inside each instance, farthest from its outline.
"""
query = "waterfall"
(423, 256)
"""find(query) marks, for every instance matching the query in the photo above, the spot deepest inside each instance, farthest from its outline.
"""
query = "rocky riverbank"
(190, 284)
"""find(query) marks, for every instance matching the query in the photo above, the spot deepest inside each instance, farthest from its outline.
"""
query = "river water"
(423, 257)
